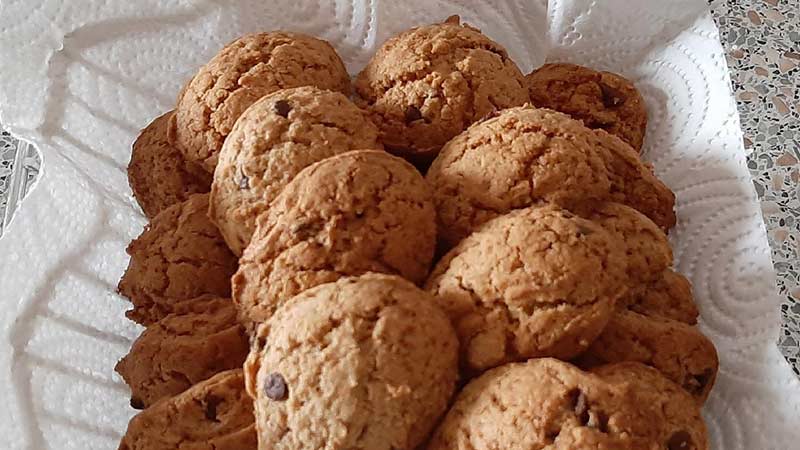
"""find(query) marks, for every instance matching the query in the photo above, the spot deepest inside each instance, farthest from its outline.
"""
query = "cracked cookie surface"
(200, 339)
(179, 256)
(357, 212)
(679, 351)
(244, 71)
(367, 362)
(272, 141)
(158, 173)
(516, 288)
(601, 100)
(549, 404)
(216, 414)
(427, 84)
(527, 155)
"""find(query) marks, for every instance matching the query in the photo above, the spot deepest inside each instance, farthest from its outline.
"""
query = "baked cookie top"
(429, 83)
(272, 141)
(367, 362)
(601, 100)
(179, 256)
(357, 212)
(158, 173)
(669, 296)
(517, 288)
(242, 72)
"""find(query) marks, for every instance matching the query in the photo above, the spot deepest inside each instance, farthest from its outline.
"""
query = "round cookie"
(601, 100)
(244, 71)
(427, 84)
(357, 212)
(681, 427)
(199, 340)
(179, 256)
(517, 288)
(275, 138)
(215, 414)
(669, 296)
(527, 155)
(158, 173)
(679, 351)
(550, 404)
(366, 362)
(647, 250)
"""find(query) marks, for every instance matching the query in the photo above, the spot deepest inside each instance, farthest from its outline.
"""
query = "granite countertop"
(762, 42)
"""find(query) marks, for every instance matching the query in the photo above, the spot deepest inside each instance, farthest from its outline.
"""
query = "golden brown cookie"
(199, 340)
(517, 288)
(244, 71)
(273, 141)
(550, 404)
(680, 427)
(158, 173)
(216, 414)
(647, 250)
(357, 212)
(427, 84)
(679, 351)
(527, 155)
(601, 100)
(669, 296)
(367, 362)
(179, 256)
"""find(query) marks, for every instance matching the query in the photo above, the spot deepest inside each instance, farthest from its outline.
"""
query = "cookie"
(272, 141)
(669, 296)
(517, 288)
(527, 155)
(427, 84)
(216, 414)
(647, 250)
(679, 351)
(158, 173)
(179, 256)
(366, 362)
(244, 71)
(199, 340)
(681, 427)
(601, 100)
(357, 212)
(550, 404)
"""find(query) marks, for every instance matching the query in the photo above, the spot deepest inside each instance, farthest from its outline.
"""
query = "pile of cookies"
(451, 255)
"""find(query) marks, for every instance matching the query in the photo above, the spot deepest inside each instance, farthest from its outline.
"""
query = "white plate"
(79, 80)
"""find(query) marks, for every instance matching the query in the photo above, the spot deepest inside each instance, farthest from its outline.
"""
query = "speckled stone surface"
(762, 41)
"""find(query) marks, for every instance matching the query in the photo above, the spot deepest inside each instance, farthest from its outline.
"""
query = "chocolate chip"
(212, 401)
(680, 440)
(583, 231)
(697, 383)
(597, 420)
(275, 387)
(137, 403)
(612, 97)
(244, 181)
(579, 405)
(413, 113)
(282, 108)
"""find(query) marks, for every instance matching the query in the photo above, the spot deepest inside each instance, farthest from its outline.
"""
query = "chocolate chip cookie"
(273, 141)
(200, 339)
(601, 100)
(669, 296)
(244, 71)
(550, 404)
(357, 212)
(427, 84)
(158, 173)
(366, 362)
(179, 256)
(517, 288)
(527, 155)
(216, 414)
(679, 351)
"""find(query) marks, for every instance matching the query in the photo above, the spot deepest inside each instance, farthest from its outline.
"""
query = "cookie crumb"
(275, 387)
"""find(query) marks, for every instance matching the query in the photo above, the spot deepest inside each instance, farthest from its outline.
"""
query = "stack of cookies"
(445, 254)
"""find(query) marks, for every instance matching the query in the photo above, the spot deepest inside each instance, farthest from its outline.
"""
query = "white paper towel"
(87, 75)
